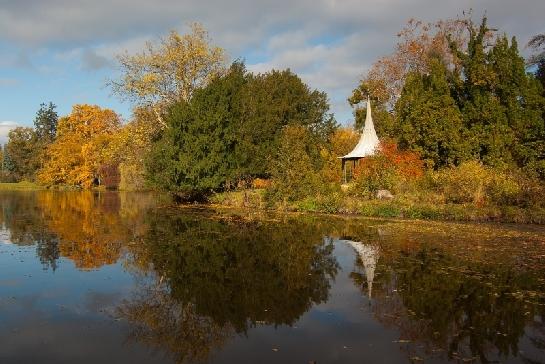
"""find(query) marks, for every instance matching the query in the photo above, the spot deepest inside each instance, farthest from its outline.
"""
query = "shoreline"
(389, 209)
(351, 207)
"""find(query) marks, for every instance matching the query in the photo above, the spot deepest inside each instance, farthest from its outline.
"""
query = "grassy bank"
(399, 207)
(20, 186)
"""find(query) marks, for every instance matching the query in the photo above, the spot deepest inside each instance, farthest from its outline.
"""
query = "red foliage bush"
(109, 175)
(408, 164)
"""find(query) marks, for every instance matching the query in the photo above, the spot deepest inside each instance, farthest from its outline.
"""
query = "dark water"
(113, 278)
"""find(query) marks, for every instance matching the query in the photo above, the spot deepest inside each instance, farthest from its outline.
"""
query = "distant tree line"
(452, 93)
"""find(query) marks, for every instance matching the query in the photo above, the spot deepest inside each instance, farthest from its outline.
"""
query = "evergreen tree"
(430, 122)
(501, 104)
(231, 129)
(270, 102)
(45, 123)
(520, 94)
(196, 151)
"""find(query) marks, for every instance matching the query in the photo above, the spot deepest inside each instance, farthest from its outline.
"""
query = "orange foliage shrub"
(261, 183)
(408, 164)
(389, 169)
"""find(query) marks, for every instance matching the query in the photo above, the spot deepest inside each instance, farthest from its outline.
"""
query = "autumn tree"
(170, 70)
(342, 141)
(418, 42)
(80, 148)
(130, 147)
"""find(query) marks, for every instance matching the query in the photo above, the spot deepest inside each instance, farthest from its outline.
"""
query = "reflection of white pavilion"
(369, 255)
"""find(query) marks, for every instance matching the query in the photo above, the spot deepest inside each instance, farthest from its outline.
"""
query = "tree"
(169, 71)
(430, 122)
(342, 141)
(45, 123)
(269, 103)
(501, 104)
(230, 130)
(196, 152)
(130, 147)
(21, 149)
(537, 43)
(418, 43)
(294, 170)
(81, 146)
(7, 166)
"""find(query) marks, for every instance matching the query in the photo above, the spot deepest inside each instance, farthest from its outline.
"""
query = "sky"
(64, 50)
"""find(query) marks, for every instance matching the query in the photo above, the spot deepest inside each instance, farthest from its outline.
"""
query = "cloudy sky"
(62, 50)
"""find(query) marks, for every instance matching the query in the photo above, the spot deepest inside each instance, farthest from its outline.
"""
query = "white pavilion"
(367, 146)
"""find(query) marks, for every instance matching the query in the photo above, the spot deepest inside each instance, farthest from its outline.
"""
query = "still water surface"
(123, 278)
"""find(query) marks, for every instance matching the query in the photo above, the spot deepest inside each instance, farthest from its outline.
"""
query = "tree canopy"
(230, 129)
(78, 151)
(170, 70)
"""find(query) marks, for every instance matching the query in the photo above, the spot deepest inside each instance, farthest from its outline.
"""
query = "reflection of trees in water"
(231, 275)
(24, 220)
(87, 224)
(462, 307)
(90, 228)
(172, 327)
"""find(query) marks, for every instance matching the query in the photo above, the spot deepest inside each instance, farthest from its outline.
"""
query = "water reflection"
(89, 228)
(368, 254)
(450, 303)
(222, 276)
(202, 280)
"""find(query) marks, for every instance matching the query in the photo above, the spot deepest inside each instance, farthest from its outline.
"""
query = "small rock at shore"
(384, 195)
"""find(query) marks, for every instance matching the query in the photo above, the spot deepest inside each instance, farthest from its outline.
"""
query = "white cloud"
(5, 127)
(330, 43)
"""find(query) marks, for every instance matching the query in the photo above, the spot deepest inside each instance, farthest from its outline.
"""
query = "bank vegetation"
(459, 112)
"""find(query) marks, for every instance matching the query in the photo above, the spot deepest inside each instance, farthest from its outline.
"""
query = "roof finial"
(368, 117)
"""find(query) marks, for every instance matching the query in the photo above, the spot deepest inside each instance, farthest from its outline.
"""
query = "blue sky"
(63, 50)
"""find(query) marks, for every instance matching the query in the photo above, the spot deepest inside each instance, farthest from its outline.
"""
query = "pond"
(111, 277)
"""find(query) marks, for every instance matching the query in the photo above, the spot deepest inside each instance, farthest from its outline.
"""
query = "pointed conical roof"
(369, 142)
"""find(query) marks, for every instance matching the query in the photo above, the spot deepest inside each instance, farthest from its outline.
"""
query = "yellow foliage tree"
(342, 142)
(169, 71)
(130, 145)
(81, 146)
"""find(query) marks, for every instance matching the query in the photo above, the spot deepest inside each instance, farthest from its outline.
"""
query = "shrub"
(471, 182)
(294, 170)
(375, 173)
(132, 177)
(390, 169)
(109, 175)
(261, 183)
